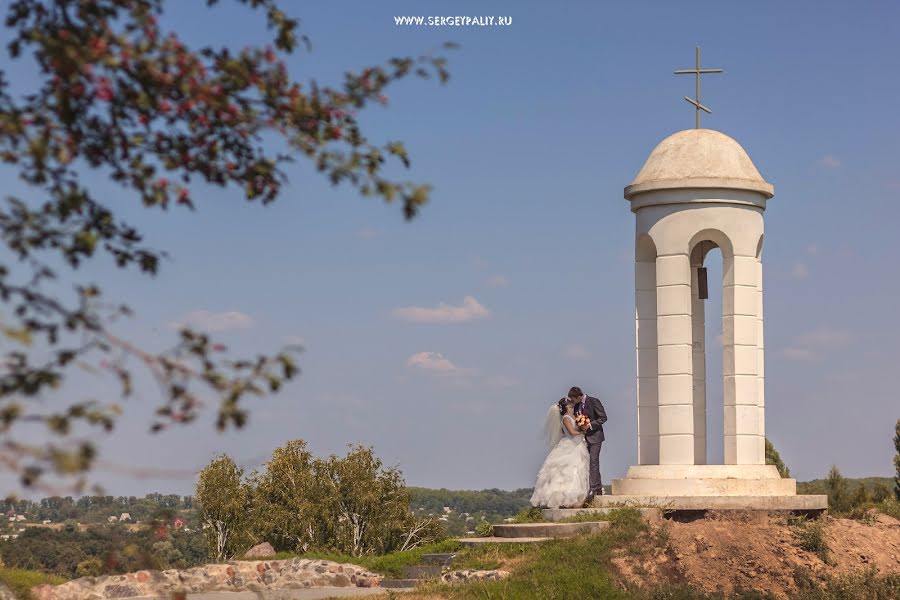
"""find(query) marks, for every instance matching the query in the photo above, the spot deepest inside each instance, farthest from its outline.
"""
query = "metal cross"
(697, 71)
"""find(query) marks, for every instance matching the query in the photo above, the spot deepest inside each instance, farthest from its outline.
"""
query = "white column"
(698, 335)
(740, 297)
(645, 334)
(675, 358)
(760, 367)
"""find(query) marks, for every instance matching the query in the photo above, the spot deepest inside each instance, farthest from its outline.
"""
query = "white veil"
(553, 431)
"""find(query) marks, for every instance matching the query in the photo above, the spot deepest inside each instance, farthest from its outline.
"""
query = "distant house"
(46, 522)
(112, 519)
(179, 523)
(20, 518)
(447, 509)
(124, 517)
(444, 518)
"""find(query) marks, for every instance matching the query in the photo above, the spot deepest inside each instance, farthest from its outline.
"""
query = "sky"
(442, 341)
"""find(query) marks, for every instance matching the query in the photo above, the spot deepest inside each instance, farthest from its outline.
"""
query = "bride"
(563, 478)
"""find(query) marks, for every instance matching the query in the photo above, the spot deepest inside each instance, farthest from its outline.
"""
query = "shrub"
(91, 567)
(484, 529)
(811, 536)
(529, 515)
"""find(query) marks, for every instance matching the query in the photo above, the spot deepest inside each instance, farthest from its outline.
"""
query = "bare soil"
(725, 552)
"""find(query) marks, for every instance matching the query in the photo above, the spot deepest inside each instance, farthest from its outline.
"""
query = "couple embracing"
(570, 476)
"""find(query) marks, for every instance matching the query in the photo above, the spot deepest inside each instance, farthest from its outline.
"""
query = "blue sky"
(528, 148)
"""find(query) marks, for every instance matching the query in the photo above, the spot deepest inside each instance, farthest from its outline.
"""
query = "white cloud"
(830, 162)
(367, 233)
(800, 271)
(799, 354)
(811, 249)
(432, 361)
(214, 321)
(470, 310)
(502, 381)
(814, 344)
(576, 352)
(498, 281)
(826, 338)
(293, 340)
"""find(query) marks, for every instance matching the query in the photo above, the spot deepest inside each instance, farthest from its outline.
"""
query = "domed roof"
(698, 158)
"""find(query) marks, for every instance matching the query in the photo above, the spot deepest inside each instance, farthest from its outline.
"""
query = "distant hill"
(817, 486)
(487, 502)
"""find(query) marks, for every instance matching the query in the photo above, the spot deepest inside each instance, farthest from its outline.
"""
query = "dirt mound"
(724, 552)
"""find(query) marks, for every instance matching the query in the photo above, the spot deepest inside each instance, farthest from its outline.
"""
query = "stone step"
(502, 540)
(558, 514)
(551, 530)
(399, 583)
(438, 559)
(800, 503)
(422, 572)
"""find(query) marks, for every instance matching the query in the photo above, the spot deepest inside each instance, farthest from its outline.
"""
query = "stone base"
(703, 480)
(805, 504)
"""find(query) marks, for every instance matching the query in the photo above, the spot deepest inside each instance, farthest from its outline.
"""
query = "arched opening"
(708, 368)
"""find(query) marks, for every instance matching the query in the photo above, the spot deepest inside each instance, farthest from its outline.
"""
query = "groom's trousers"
(596, 482)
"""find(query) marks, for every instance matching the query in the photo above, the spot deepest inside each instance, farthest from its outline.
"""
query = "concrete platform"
(502, 540)
(805, 503)
(558, 514)
(703, 480)
(548, 530)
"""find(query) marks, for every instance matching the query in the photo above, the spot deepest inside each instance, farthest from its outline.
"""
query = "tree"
(367, 505)
(118, 95)
(224, 507)
(773, 458)
(284, 499)
(837, 489)
(897, 459)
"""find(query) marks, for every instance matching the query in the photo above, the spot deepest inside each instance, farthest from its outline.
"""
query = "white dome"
(698, 158)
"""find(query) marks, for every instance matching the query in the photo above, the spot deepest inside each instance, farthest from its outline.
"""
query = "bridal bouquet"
(582, 421)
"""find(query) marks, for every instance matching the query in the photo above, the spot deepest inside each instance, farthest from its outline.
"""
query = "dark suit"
(593, 409)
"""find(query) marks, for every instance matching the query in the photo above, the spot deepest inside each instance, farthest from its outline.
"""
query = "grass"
(392, 564)
(561, 569)
(811, 536)
(20, 581)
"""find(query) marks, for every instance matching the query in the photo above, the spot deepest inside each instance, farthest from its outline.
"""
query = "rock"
(454, 577)
(120, 591)
(264, 550)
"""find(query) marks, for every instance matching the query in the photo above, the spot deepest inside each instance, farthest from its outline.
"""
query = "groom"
(593, 434)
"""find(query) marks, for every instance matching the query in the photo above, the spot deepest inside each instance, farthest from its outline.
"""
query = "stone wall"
(234, 576)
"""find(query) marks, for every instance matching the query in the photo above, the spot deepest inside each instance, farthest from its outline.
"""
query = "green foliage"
(773, 458)
(890, 507)
(529, 515)
(589, 517)
(392, 563)
(863, 585)
(114, 549)
(20, 581)
(811, 536)
(836, 487)
(224, 507)
(897, 459)
(349, 505)
(484, 529)
(562, 569)
(494, 504)
(91, 567)
(111, 92)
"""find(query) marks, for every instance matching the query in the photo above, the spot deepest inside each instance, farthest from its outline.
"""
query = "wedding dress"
(563, 478)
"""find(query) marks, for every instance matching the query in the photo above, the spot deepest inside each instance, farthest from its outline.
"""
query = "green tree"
(284, 499)
(837, 490)
(897, 459)
(773, 458)
(118, 96)
(367, 506)
(224, 507)
(91, 567)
